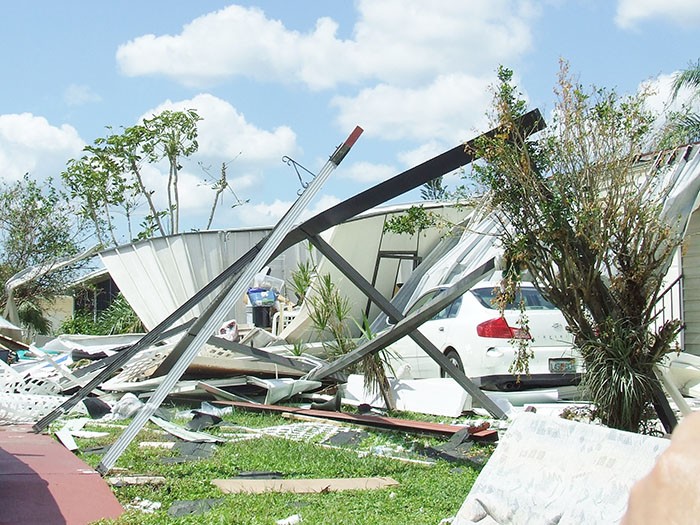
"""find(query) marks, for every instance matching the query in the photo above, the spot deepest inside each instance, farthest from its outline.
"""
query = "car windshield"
(532, 297)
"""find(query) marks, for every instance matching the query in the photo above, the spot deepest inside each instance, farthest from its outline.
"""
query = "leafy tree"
(118, 318)
(219, 186)
(584, 218)
(109, 180)
(688, 78)
(37, 227)
(171, 135)
(329, 312)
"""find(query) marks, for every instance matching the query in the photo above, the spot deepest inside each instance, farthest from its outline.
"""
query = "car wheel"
(454, 358)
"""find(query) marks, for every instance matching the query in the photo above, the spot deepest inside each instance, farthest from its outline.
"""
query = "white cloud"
(659, 90)
(29, 143)
(450, 109)
(425, 151)
(224, 133)
(79, 95)
(405, 41)
(367, 172)
(268, 214)
(684, 13)
(231, 42)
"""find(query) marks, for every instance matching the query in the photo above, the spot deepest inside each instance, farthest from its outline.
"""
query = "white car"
(473, 335)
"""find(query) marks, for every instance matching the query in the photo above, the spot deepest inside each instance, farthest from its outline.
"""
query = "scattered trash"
(183, 433)
(456, 449)
(346, 438)
(65, 437)
(127, 406)
(194, 507)
(291, 520)
(190, 452)
(203, 421)
(96, 407)
(144, 505)
(229, 330)
(331, 405)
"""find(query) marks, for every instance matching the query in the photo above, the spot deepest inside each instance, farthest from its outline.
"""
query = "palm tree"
(687, 78)
(434, 190)
(684, 125)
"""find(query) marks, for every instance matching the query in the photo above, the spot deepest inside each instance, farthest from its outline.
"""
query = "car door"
(408, 351)
(439, 330)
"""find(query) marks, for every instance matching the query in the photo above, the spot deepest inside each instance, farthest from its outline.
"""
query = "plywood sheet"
(257, 486)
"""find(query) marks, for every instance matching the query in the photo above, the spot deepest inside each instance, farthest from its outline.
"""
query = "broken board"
(301, 486)
(391, 423)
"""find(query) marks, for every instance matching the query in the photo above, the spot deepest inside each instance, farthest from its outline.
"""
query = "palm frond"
(687, 78)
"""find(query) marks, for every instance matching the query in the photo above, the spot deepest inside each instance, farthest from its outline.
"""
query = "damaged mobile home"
(198, 283)
(186, 273)
(211, 318)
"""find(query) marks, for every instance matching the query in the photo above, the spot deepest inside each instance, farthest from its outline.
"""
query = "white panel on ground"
(436, 396)
(551, 470)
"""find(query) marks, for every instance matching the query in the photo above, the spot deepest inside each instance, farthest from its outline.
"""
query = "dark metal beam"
(356, 278)
(407, 325)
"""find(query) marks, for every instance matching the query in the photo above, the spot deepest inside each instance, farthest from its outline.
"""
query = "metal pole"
(284, 226)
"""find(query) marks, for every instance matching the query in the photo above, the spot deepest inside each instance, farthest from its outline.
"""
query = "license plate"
(565, 365)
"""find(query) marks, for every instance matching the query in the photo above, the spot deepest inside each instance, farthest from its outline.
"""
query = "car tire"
(454, 358)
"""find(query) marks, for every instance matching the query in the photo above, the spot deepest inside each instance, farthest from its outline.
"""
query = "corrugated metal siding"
(691, 288)
(158, 275)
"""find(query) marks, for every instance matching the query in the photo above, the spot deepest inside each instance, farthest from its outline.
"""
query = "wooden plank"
(302, 486)
(391, 423)
(129, 481)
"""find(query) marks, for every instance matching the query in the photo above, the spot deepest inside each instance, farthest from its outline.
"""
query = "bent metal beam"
(206, 327)
(412, 178)
(389, 309)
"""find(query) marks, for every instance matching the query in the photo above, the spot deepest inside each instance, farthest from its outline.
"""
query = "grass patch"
(425, 494)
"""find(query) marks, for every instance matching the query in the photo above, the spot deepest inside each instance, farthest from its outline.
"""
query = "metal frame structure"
(207, 325)
(405, 325)
(233, 280)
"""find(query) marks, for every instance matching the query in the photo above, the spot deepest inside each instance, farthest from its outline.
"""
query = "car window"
(532, 297)
(423, 300)
(453, 309)
(449, 311)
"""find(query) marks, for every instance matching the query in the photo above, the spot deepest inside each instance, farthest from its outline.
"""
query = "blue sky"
(279, 77)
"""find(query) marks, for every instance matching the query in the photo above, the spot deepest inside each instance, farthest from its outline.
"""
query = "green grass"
(425, 494)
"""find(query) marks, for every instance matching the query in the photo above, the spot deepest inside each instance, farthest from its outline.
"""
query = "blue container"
(261, 297)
